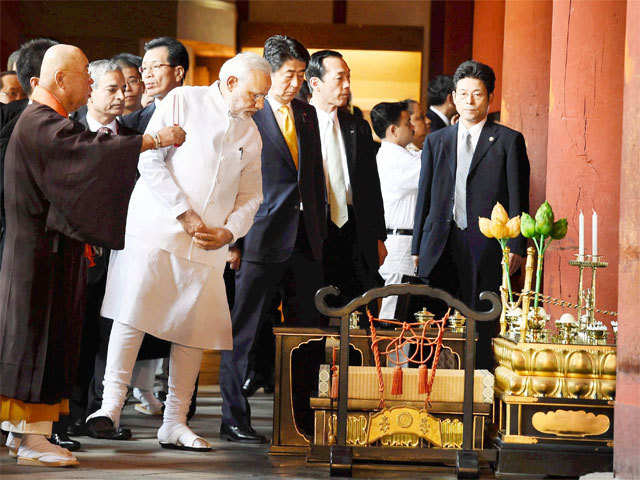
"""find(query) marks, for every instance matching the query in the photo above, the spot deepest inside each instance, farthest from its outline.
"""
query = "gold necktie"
(289, 133)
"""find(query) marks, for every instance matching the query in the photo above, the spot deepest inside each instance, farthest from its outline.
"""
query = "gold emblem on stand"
(403, 421)
(565, 423)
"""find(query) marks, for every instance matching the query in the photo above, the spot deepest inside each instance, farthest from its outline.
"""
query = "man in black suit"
(164, 66)
(354, 249)
(466, 169)
(283, 249)
(441, 107)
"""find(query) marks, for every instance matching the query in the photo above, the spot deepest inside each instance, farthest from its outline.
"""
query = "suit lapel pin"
(491, 139)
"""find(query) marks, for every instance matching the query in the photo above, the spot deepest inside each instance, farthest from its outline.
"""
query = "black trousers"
(458, 273)
(299, 278)
(345, 266)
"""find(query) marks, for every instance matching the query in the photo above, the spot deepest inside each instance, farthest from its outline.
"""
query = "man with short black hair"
(283, 248)
(354, 249)
(164, 66)
(399, 170)
(441, 107)
(130, 65)
(466, 169)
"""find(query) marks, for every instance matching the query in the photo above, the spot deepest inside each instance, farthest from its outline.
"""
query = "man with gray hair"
(168, 279)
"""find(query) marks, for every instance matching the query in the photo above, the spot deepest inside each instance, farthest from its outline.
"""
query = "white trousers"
(184, 365)
(397, 264)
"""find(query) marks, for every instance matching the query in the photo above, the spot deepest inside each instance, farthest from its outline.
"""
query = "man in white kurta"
(399, 171)
(187, 206)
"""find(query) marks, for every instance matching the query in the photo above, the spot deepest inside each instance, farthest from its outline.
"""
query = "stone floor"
(142, 458)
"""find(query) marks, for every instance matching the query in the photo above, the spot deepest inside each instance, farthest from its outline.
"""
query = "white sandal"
(181, 437)
(37, 450)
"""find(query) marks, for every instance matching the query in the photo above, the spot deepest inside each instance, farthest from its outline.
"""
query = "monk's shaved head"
(61, 57)
(64, 74)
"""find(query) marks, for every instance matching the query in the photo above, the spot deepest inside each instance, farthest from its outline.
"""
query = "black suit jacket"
(499, 172)
(273, 234)
(138, 120)
(365, 186)
(436, 122)
(99, 270)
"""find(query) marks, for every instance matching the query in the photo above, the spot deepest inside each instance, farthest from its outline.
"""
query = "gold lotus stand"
(555, 395)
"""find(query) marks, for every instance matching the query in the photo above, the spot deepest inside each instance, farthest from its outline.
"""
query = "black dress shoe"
(253, 382)
(102, 427)
(235, 433)
(63, 440)
(77, 428)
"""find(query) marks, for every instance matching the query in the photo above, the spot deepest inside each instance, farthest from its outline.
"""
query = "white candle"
(581, 241)
(594, 234)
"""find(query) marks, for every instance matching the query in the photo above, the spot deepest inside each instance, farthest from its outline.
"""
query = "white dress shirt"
(444, 118)
(325, 123)
(94, 125)
(399, 172)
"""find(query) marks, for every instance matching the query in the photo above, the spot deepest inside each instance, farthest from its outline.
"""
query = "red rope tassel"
(88, 253)
(422, 379)
(396, 387)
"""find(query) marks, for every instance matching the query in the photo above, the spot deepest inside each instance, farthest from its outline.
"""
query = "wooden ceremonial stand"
(467, 460)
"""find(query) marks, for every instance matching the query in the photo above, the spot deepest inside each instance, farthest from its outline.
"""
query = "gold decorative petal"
(485, 227)
(571, 423)
(513, 227)
(499, 214)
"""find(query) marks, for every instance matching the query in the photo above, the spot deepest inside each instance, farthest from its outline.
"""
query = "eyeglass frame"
(155, 67)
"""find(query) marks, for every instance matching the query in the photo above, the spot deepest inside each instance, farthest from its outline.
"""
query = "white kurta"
(399, 171)
(161, 283)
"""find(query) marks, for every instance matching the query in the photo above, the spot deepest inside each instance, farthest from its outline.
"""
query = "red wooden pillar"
(627, 409)
(488, 40)
(525, 82)
(585, 131)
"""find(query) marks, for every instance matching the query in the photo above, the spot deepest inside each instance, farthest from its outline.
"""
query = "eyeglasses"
(154, 68)
(133, 81)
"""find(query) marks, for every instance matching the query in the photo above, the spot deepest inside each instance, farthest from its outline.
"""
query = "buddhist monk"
(61, 190)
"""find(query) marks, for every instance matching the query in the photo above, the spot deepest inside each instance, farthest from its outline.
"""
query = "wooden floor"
(142, 458)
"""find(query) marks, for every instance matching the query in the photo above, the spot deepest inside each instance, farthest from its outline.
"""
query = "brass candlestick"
(587, 297)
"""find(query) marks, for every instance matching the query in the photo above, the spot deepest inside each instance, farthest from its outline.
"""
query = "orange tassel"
(334, 382)
(396, 388)
(422, 379)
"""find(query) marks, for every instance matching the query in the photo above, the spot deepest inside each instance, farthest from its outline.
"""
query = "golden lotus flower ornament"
(499, 226)
(502, 228)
